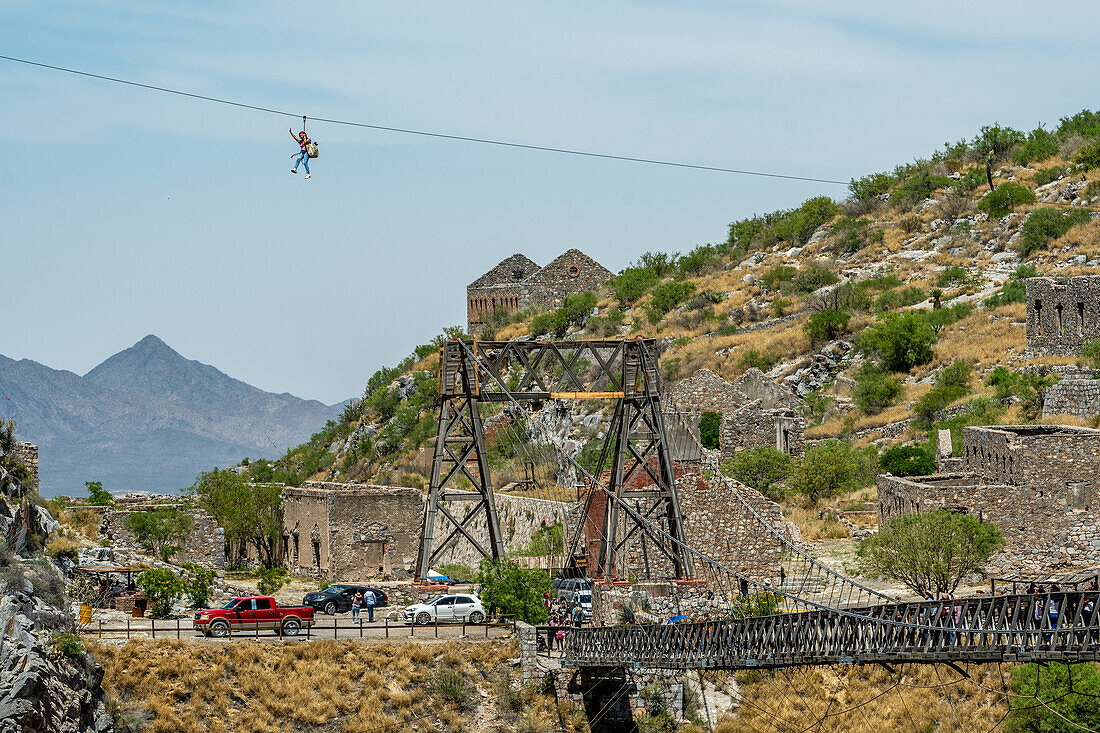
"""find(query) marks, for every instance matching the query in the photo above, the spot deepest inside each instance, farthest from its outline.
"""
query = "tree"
(930, 552)
(826, 325)
(271, 580)
(162, 587)
(1066, 690)
(250, 514)
(708, 429)
(830, 468)
(901, 341)
(763, 468)
(514, 590)
(97, 494)
(907, 460)
(198, 582)
(157, 530)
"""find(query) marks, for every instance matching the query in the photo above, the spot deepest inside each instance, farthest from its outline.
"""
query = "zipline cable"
(425, 133)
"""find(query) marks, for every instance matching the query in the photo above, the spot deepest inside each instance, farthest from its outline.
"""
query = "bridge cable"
(425, 133)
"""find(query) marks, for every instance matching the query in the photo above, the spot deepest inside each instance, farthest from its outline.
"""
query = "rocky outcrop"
(823, 366)
(43, 689)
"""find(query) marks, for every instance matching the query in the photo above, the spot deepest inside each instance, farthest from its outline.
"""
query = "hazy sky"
(128, 212)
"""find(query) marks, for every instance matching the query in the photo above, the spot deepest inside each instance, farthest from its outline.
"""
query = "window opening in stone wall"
(316, 554)
(1077, 495)
(1039, 316)
(1080, 319)
(1058, 313)
(708, 429)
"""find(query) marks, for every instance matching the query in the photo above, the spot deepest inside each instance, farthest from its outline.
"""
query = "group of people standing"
(361, 599)
(563, 616)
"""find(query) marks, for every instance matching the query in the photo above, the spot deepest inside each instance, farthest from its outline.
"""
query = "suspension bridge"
(630, 533)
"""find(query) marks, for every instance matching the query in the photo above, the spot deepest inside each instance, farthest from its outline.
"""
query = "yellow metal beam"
(587, 395)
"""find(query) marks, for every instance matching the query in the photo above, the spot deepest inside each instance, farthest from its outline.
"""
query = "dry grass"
(336, 686)
(870, 699)
(815, 523)
(82, 521)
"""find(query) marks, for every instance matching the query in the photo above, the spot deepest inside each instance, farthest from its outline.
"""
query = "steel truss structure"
(475, 372)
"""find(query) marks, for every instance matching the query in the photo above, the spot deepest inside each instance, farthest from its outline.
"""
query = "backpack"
(311, 149)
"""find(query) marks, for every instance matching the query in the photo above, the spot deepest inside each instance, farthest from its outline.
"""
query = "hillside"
(924, 249)
(147, 419)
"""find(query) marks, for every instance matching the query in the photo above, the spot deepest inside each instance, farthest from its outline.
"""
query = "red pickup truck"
(251, 614)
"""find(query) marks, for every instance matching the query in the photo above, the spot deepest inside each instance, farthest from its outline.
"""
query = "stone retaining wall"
(1062, 313)
(27, 453)
(1077, 397)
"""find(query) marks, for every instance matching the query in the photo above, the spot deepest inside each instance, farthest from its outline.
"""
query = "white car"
(452, 607)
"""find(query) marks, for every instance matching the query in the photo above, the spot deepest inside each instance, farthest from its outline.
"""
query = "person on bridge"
(369, 601)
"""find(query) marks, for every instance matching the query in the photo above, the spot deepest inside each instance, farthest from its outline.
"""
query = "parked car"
(251, 614)
(583, 597)
(452, 607)
(337, 598)
(566, 587)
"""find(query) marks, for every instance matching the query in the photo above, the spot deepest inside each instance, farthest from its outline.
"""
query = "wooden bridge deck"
(980, 629)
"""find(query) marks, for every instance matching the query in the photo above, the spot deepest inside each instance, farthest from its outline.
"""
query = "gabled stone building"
(754, 409)
(517, 283)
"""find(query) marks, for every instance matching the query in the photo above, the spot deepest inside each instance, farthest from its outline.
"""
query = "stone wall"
(351, 532)
(752, 427)
(27, 453)
(1044, 457)
(204, 546)
(705, 391)
(1043, 532)
(1077, 396)
(520, 517)
(1062, 313)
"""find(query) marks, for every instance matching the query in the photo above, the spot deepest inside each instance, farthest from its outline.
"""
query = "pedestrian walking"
(369, 601)
(356, 602)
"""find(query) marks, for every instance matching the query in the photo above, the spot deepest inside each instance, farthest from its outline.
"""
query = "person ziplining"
(308, 149)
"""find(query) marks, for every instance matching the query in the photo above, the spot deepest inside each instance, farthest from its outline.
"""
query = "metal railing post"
(153, 627)
(178, 637)
(127, 629)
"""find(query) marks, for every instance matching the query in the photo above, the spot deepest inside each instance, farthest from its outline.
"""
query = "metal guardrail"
(980, 629)
(180, 628)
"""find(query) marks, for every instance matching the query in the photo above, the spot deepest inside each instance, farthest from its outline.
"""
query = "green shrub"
(826, 325)
(1088, 156)
(875, 389)
(65, 644)
(978, 411)
(708, 429)
(1014, 290)
(799, 225)
(900, 341)
(697, 260)
(998, 139)
(953, 275)
(452, 687)
(1044, 225)
(870, 186)
(950, 383)
(1084, 123)
(1005, 198)
(271, 580)
(162, 587)
(753, 358)
(665, 297)
(763, 468)
(968, 181)
(559, 321)
(158, 531)
(917, 188)
(198, 584)
(659, 263)
(1028, 389)
(1044, 176)
(1038, 146)
(514, 590)
(776, 275)
(811, 278)
(1054, 698)
(899, 298)
(850, 234)
(1090, 353)
(830, 468)
(632, 284)
(907, 460)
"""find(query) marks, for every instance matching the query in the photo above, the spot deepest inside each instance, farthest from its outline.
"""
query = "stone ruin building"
(351, 532)
(205, 545)
(1040, 484)
(27, 453)
(1062, 314)
(754, 411)
(517, 283)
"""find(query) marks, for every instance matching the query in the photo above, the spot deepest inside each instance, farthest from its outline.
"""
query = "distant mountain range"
(147, 419)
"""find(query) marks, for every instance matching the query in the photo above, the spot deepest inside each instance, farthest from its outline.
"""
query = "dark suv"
(337, 598)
